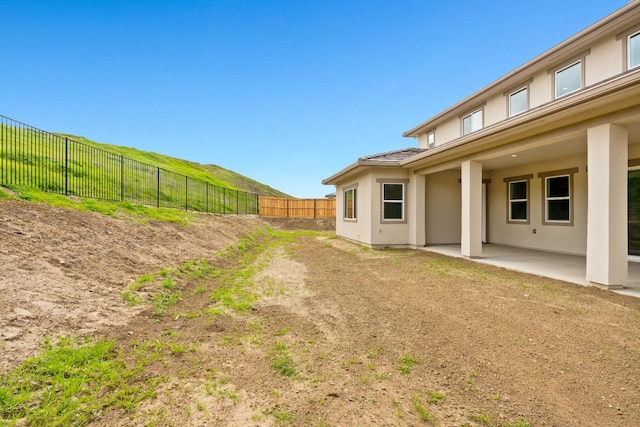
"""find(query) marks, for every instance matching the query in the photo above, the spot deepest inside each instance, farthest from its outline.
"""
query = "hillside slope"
(213, 174)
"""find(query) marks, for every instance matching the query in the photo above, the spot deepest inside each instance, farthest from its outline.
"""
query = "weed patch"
(406, 364)
(282, 361)
(71, 382)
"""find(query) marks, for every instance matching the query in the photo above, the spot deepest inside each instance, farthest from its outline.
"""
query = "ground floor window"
(350, 196)
(633, 206)
(518, 199)
(558, 200)
(393, 201)
(558, 197)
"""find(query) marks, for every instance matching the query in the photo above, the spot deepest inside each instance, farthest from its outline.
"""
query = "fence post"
(121, 177)
(315, 209)
(237, 202)
(158, 196)
(66, 166)
(186, 193)
(207, 198)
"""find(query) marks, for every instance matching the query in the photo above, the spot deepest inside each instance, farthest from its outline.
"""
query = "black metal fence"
(53, 163)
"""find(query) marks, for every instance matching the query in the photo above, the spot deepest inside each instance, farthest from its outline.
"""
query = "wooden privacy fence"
(297, 208)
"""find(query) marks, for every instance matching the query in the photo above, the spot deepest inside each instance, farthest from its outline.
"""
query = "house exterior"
(546, 157)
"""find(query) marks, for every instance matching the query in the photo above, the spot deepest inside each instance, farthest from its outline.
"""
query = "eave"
(619, 20)
(387, 159)
(598, 103)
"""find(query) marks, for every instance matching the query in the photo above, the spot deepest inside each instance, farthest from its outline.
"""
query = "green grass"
(97, 175)
(282, 361)
(422, 410)
(406, 364)
(280, 415)
(212, 174)
(37, 159)
(236, 289)
(113, 209)
(132, 299)
(164, 285)
(163, 300)
(70, 383)
(483, 418)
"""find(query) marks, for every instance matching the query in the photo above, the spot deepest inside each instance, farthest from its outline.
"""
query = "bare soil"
(490, 346)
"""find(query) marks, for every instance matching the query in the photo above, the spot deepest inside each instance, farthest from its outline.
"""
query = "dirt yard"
(370, 338)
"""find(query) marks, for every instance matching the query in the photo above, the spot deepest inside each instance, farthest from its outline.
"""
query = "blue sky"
(284, 92)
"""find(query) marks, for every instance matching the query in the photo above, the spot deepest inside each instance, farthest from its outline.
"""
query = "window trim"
(581, 58)
(509, 97)
(628, 45)
(480, 110)
(345, 190)
(517, 88)
(404, 183)
(509, 181)
(580, 85)
(431, 144)
(626, 36)
(571, 197)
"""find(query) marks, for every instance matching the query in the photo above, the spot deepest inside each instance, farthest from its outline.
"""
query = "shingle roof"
(392, 156)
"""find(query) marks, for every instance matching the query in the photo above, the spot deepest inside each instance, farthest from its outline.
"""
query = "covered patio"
(569, 268)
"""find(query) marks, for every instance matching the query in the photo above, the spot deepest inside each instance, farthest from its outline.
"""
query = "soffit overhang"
(389, 159)
(615, 100)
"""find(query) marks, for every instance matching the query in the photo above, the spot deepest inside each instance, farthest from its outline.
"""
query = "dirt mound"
(63, 270)
(314, 224)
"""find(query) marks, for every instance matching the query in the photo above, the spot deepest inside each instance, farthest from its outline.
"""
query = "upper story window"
(569, 79)
(431, 140)
(472, 122)
(634, 50)
(350, 197)
(518, 101)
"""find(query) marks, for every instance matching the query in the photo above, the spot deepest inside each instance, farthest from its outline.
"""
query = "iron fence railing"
(57, 164)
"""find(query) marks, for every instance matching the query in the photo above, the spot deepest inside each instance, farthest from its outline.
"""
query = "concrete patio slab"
(565, 267)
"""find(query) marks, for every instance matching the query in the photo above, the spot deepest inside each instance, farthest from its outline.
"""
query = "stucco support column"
(471, 182)
(416, 211)
(607, 163)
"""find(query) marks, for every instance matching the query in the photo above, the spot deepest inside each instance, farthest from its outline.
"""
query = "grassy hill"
(213, 174)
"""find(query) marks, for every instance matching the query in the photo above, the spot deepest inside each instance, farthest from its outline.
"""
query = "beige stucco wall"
(540, 89)
(360, 229)
(388, 233)
(368, 228)
(443, 207)
(423, 141)
(447, 131)
(495, 110)
(558, 238)
(604, 61)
